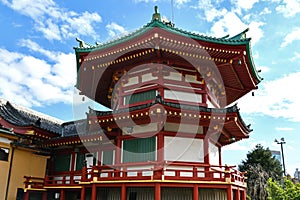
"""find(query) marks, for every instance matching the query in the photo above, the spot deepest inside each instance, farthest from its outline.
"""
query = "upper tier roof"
(238, 39)
(232, 56)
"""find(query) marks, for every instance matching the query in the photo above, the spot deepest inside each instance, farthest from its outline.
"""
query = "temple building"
(171, 95)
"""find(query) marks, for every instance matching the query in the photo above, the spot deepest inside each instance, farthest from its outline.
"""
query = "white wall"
(183, 149)
(139, 129)
(183, 96)
(213, 154)
(183, 128)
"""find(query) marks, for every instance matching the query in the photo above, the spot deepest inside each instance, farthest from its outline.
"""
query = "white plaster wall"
(182, 96)
(148, 77)
(132, 81)
(184, 128)
(183, 149)
(213, 154)
(174, 76)
(191, 78)
(139, 129)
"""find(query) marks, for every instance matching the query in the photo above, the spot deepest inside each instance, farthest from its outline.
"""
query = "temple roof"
(227, 120)
(77, 127)
(19, 116)
(238, 39)
(6, 131)
(97, 63)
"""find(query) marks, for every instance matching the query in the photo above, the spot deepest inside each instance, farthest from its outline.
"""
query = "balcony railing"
(145, 171)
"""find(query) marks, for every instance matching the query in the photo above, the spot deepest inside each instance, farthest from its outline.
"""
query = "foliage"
(260, 165)
(289, 191)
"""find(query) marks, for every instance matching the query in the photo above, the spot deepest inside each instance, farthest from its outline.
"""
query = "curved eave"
(74, 140)
(30, 131)
(162, 25)
(252, 77)
(7, 133)
(228, 120)
(252, 65)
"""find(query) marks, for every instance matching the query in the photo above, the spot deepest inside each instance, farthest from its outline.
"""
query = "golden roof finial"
(156, 14)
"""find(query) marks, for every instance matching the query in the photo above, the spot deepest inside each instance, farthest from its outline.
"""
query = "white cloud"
(263, 69)
(289, 8)
(213, 13)
(277, 98)
(34, 82)
(181, 2)
(211, 9)
(37, 48)
(284, 129)
(231, 24)
(242, 4)
(114, 29)
(255, 31)
(55, 22)
(291, 37)
(295, 57)
(237, 146)
(265, 11)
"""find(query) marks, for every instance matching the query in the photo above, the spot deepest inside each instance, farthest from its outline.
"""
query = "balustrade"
(143, 171)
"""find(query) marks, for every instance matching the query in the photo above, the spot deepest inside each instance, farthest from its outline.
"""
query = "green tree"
(260, 165)
(288, 191)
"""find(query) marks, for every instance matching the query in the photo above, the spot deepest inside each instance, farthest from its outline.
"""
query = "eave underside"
(228, 64)
(224, 122)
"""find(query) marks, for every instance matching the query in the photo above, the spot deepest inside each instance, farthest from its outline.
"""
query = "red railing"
(33, 182)
(143, 171)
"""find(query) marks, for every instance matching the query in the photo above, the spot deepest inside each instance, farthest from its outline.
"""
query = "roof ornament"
(81, 42)
(241, 35)
(156, 14)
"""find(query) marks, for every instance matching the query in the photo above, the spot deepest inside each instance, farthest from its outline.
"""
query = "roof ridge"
(31, 112)
(168, 27)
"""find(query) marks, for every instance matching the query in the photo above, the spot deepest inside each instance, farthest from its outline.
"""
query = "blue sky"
(38, 69)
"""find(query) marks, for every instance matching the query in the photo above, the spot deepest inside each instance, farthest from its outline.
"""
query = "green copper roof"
(239, 39)
(236, 40)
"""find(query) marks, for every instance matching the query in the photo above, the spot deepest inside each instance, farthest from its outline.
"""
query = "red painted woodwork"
(82, 193)
(157, 191)
(195, 192)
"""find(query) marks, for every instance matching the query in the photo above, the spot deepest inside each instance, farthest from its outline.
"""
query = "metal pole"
(281, 144)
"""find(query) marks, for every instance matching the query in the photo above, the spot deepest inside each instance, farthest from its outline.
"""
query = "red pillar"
(229, 193)
(244, 196)
(82, 194)
(94, 192)
(238, 194)
(118, 154)
(44, 195)
(62, 194)
(26, 195)
(157, 191)
(118, 149)
(160, 146)
(123, 192)
(196, 192)
(206, 158)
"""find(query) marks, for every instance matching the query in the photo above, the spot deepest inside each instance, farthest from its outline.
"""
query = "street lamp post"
(281, 142)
